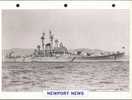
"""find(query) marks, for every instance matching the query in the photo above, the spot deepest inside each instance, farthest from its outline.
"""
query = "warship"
(55, 51)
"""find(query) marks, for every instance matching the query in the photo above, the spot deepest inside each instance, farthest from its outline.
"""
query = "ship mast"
(43, 38)
(51, 37)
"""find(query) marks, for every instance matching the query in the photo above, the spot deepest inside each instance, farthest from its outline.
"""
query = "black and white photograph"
(65, 49)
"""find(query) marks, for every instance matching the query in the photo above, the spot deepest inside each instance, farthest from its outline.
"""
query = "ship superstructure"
(51, 48)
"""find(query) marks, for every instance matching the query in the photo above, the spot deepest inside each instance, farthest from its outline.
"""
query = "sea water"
(93, 76)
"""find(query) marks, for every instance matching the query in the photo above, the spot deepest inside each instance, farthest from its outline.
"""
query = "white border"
(71, 5)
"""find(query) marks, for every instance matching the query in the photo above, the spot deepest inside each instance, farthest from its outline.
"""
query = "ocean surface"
(93, 76)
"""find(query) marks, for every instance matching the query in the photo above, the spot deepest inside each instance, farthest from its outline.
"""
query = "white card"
(65, 49)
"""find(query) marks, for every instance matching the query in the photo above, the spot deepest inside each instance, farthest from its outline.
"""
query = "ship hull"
(112, 57)
(75, 58)
(52, 59)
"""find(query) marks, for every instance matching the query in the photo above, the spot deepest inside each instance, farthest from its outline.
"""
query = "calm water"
(94, 76)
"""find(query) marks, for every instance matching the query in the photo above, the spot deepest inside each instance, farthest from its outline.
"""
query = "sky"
(105, 29)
